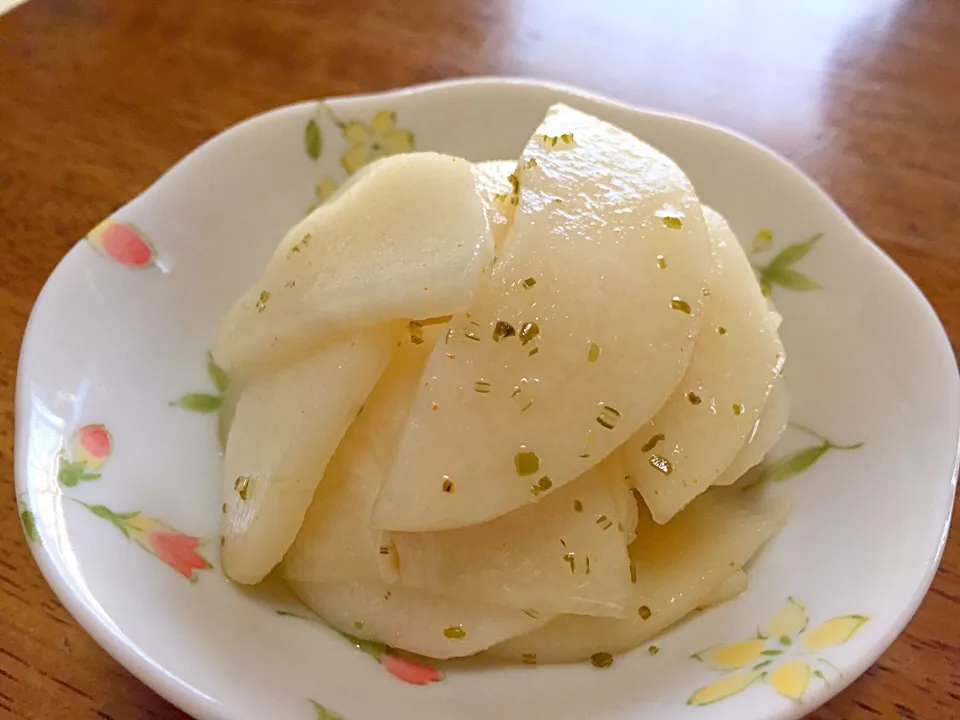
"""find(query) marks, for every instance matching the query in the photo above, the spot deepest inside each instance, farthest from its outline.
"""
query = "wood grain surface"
(98, 97)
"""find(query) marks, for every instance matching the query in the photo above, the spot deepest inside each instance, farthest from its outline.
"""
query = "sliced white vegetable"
(285, 428)
(408, 239)
(336, 542)
(712, 412)
(495, 190)
(565, 554)
(727, 590)
(413, 620)
(576, 317)
(679, 566)
(771, 424)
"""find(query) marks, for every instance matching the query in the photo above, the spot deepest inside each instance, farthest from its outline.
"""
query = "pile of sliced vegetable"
(493, 407)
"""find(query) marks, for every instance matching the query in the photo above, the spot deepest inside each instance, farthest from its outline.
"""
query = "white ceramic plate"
(119, 491)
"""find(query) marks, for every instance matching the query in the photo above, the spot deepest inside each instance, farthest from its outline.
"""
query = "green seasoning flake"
(674, 223)
(527, 463)
(681, 305)
(532, 163)
(514, 183)
(542, 485)
(644, 612)
(534, 351)
(471, 335)
(587, 570)
(570, 560)
(503, 330)
(661, 262)
(738, 409)
(447, 485)
(384, 550)
(532, 613)
(653, 649)
(416, 332)
(446, 340)
(223, 508)
(652, 442)
(721, 330)
(358, 624)
(482, 387)
(593, 354)
(608, 417)
(601, 519)
(577, 506)
(262, 302)
(528, 283)
(455, 632)
(529, 658)
(567, 138)
(659, 462)
(583, 455)
(242, 485)
(694, 398)
(633, 573)
(291, 284)
(304, 241)
(528, 331)
(601, 659)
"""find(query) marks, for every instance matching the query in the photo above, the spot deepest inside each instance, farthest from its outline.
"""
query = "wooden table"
(98, 97)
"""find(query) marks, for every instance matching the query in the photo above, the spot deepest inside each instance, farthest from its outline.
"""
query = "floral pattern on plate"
(784, 655)
(90, 447)
(365, 143)
(123, 243)
(205, 402)
(780, 271)
(400, 666)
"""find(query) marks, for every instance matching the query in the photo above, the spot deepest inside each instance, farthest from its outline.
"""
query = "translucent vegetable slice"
(712, 412)
(565, 554)
(408, 238)
(496, 192)
(771, 424)
(727, 590)
(578, 335)
(285, 428)
(679, 567)
(413, 620)
(336, 542)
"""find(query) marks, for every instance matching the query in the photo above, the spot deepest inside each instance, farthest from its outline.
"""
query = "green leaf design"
(198, 402)
(779, 272)
(785, 277)
(794, 253)
(70, 473)
(313, 140)
(793, 464)
(324, 713)
(219, 376)
(29, 521)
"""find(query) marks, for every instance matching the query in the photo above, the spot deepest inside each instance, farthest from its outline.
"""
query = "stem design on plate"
(794, 463)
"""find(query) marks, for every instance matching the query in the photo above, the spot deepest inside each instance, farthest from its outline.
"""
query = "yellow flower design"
(371, 142)
(783, 655)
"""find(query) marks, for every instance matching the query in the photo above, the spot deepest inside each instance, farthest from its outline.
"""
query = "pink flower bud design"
(91, 446)
(122, 243)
